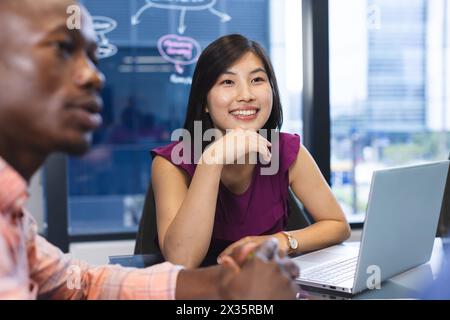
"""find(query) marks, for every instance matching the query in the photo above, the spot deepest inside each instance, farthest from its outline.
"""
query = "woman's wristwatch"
(292, 242)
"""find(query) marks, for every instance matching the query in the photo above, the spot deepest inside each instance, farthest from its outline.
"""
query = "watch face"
(293, 242)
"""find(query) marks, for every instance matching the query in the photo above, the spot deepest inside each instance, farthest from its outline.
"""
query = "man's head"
(49, 84)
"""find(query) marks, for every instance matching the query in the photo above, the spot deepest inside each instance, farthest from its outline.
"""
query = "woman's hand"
(256, 241)
(235, 145)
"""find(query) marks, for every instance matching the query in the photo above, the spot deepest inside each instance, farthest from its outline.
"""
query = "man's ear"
(206, 110)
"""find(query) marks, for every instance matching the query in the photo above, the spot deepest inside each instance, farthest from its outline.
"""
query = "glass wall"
(148, 51)
(390, 84)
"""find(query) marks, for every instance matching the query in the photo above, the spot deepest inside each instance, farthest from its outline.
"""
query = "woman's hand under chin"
(236, 144)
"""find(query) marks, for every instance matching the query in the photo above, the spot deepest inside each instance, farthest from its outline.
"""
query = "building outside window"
(390, 85)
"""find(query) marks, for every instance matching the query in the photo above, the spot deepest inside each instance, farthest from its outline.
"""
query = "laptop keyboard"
(333, 272)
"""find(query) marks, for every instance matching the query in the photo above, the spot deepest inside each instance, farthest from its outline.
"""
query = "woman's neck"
(239, 169)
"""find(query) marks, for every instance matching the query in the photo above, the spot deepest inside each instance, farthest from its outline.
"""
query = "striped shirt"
(31, 268)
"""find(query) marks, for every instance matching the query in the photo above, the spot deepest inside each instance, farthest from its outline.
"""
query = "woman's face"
(242, 96)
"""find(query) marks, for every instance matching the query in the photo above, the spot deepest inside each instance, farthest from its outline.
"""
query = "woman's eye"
(227, 82)
(259, 79)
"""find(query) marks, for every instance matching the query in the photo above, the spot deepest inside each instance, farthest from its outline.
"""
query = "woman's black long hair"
(215, 60)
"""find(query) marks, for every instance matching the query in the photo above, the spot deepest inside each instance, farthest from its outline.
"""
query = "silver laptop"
(399, 230)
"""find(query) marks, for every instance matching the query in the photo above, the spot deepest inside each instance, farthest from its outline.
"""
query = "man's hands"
(249, 272)
(258, 273)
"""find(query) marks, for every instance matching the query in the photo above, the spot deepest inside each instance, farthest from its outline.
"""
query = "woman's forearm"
(188, 237)
(321, 234)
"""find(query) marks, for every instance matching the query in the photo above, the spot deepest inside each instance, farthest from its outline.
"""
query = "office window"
(390, 84)
(148, 50)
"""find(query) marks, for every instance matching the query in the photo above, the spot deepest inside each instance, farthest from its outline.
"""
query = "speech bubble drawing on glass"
(102, 26)
(183, 6)
(180, 51)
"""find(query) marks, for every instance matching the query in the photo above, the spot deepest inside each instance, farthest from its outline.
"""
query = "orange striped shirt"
(31, 268)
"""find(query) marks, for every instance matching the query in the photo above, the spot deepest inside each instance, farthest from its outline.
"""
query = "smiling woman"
(205, 211)
(146, 97)
(249, 81)
(234, 75)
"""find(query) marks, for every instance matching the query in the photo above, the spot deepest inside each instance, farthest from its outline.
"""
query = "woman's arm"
(185, 213)
(311, 188)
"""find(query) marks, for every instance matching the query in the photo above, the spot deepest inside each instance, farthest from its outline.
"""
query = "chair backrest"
(298, 217)
(444, 219)
(147, 232)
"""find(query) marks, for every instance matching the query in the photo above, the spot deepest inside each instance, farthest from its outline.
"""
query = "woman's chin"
(252, 127)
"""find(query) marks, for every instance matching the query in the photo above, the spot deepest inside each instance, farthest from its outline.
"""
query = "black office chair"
(444, 219)
(147, 232)
(298, 217)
